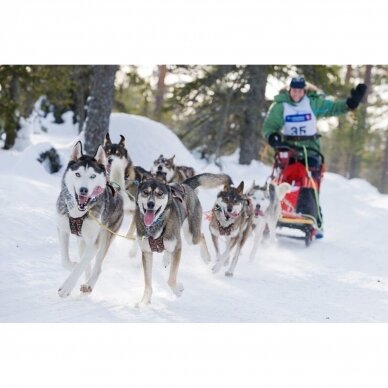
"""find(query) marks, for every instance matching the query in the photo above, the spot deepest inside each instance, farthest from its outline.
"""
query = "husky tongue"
(97, 191)
(149, 217)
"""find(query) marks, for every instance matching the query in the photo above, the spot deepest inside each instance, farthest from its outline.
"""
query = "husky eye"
(92, 176)
(77, 174)
(145, 192)
(159, 194)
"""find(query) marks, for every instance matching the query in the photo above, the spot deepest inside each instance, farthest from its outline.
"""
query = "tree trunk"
(253, 119)
(12, 120)
(361, 129)
(99, 106)
(384, 175)
(159, 97)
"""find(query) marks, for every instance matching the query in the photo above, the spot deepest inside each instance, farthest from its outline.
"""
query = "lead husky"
(231, 218)
(173, 173)
(85, 202)
(265, 202)
(161, 211)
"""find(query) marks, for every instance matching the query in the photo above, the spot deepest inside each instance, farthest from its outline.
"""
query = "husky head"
(164, 165)
(85, 176)
(259, 197)
(115, 152)
(230, 202)
(153, 196)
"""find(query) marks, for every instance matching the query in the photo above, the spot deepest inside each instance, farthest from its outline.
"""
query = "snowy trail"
(342, 278)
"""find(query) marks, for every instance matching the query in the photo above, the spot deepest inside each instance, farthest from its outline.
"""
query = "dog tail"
(208, 181)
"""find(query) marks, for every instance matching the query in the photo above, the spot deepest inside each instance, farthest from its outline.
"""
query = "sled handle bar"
(298, 148)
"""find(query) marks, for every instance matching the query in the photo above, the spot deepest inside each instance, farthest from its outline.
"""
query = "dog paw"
(229, 274)
(217, 267)
(63, 293)
(85, 289)
(142, 303)
(178, 289)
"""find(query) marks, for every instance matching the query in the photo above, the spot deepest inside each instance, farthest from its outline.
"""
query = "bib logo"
(298, 118)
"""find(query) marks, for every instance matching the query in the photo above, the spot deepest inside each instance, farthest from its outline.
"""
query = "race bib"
(299, 120)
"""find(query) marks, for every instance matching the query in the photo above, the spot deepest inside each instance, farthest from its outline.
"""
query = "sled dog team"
(97, 190)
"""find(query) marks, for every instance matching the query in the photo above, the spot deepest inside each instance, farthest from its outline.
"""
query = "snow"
(342, 278)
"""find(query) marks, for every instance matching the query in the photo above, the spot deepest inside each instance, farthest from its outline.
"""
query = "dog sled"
(302, 168)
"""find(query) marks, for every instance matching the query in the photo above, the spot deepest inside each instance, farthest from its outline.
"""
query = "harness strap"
(76, 224)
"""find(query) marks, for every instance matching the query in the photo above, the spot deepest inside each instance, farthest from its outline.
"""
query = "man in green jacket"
(292, 118)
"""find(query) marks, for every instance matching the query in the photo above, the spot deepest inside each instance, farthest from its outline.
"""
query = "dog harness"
(76, 224)
(224, 230)
(157, 244)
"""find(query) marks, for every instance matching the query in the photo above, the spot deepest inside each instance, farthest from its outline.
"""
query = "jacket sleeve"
(274, 121)
(327, 108)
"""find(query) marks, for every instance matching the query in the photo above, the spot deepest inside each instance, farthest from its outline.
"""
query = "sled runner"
(302, 168)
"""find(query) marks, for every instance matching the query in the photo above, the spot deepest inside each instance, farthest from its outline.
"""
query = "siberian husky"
(162, 210)
(231, 218)
(265, 202)
(86, 202)
(117, 155)
(173, 173)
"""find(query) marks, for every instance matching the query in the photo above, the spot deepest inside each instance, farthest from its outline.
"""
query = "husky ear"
(172, 158)
(122, 141)
(240, 187)
(252, 187)
(107, 139)
(100, 155)
(76, 153)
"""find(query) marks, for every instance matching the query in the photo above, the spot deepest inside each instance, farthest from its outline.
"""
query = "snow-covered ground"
(342, 278)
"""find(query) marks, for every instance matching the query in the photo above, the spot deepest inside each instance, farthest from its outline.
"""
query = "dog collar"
(76, 224)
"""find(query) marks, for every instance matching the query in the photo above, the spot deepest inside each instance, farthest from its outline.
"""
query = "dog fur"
(85, 193)
(265, 201)
(232, 218)
(162, 211)
(173, 173)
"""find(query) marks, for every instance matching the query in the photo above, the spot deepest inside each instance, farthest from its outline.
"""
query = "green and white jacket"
(299, 119)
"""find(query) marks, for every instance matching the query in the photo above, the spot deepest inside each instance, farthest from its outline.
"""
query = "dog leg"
(221, 259)
(177, 288)
(81, 251)
(204, 250)
(68, 285)
(101, 253)
(272, 231)
(233, 264)
(216, 246)
(64, 248)
(131, 233)
(258, 236)
(166, 259)
(147, 268)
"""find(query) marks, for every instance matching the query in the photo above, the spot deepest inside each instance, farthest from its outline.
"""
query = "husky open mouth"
(150, 216)
(82, 201)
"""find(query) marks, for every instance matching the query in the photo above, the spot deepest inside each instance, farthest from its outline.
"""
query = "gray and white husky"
(85, 203)
(173, 173)
(232, 219)
(162, 210)
(265, 201)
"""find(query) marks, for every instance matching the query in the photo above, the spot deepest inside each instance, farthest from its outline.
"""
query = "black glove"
(356, 95)
(275, 140)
